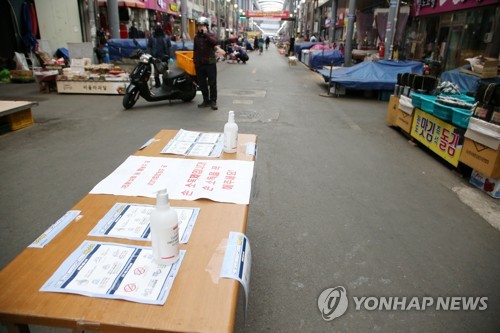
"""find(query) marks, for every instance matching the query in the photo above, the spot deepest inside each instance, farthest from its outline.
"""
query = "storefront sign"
(160, 5)
(428, 7)
(442, 138)
(273, 14)
(91, 87)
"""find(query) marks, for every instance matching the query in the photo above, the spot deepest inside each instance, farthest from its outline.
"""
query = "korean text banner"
(185, 179)
(442, 138)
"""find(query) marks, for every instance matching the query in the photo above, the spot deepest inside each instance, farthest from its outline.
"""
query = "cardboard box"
(482, 76)
(481, 158)
(490, 62)
(484, 132)
(481, 150)
(485, 72)
(404, 120)
(392, 111)
(489, 185)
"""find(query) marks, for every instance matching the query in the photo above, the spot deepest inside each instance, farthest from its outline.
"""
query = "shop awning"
(125, 3)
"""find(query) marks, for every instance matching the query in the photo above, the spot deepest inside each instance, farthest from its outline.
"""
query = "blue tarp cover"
(371, 75)
(121, 48)
(466, 82)
(302, 46)
(318, 59)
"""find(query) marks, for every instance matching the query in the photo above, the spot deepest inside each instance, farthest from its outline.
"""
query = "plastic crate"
(185, 61)
(427, 103)
(461, 117)
(416, 100)
(20, 119)
(443, 112)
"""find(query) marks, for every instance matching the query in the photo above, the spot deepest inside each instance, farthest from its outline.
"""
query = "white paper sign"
(190, 143)
(185, 179)
(55, 229)
(131, 221)
(117, 271)
(237, 262)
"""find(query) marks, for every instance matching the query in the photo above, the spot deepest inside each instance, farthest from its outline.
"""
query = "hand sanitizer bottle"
(164, 231)
(230, 134)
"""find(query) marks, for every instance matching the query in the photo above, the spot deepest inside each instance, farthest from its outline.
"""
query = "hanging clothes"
(34, 20)
(28, 38)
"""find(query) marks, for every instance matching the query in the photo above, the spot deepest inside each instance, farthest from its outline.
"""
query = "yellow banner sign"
(442, 138)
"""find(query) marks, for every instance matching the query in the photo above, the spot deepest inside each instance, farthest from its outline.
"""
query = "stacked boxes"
(481, 149)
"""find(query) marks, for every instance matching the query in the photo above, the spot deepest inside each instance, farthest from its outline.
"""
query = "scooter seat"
(175, 73)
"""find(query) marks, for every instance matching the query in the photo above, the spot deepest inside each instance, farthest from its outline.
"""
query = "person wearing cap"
(205, 61)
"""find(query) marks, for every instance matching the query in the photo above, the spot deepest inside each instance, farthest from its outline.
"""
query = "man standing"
(205, 61)
(159, 47)
(133, 32)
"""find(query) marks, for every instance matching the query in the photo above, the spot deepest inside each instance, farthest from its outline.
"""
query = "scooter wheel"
(130, 98)
(189, 96)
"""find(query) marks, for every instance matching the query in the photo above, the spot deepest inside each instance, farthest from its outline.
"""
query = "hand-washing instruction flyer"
(190, 143)
(184, 179)
(131, 221)
(116, 271)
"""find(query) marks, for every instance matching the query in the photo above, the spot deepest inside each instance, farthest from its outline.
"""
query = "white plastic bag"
(21, 63)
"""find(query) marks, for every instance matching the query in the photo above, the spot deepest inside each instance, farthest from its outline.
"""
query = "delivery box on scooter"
(185, 61)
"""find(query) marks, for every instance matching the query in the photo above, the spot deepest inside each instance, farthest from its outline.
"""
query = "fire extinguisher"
(381, 50)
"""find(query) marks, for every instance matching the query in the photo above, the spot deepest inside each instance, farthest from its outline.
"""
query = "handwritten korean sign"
(185, 179)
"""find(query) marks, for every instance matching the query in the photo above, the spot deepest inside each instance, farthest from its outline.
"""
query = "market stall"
(467, 81)
(457, 128)
(93, 79)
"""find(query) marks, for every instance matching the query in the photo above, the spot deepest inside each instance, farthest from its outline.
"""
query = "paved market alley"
(340, 198)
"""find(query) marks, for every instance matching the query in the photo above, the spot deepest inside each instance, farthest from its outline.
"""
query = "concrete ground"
(341, 198)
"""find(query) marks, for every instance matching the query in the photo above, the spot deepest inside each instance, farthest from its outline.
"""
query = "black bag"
(488, 93)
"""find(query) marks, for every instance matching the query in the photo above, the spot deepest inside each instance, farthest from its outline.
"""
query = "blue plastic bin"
(416, 100)
(427, 103)
(443, 112)
(461, 117)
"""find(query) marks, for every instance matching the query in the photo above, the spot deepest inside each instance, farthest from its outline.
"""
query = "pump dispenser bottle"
(230, 135)
(164, 231)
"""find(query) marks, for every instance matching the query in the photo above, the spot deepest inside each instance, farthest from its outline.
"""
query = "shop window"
(123, 14)
(477, 33)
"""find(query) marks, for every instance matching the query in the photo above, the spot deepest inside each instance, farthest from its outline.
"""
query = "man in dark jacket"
(205, 61)
(159, 47)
